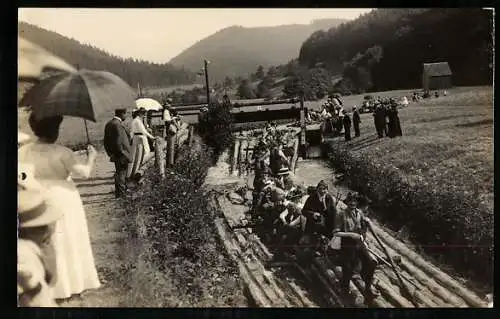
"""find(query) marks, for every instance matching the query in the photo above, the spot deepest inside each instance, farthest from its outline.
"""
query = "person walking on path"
(347, 126)
(53, 166)
(140, 144)
(356, 120)
(351, 226)
(118, 148)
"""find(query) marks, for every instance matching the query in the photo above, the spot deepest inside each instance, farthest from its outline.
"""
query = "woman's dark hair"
(46, 128)
(135, 114)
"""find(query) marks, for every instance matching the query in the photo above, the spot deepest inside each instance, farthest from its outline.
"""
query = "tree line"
(133, 71)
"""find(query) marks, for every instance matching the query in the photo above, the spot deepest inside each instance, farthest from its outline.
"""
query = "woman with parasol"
(89, 95)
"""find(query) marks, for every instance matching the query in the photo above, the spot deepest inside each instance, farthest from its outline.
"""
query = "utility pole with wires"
(205, 69)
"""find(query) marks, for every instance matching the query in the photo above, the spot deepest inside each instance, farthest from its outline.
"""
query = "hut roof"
(437, 69)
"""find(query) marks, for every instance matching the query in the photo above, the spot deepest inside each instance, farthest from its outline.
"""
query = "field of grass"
(436, 181)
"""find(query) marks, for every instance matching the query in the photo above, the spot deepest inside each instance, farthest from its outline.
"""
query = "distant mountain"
(238, 51)
(132, 71)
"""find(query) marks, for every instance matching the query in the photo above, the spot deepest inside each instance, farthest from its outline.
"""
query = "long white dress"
(53, 164)
(141, 151)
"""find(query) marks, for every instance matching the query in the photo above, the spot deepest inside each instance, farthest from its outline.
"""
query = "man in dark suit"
(320, 210)
(118, 148)
(356, 120)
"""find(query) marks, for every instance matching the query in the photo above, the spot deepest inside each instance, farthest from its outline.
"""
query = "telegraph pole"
(206, 82)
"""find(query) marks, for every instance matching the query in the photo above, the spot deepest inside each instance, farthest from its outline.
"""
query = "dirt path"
(105, 222)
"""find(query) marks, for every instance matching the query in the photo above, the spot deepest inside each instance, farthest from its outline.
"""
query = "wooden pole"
(191, 135)
(302, 126)
(206, 82)
(403, 285)
(244, 144)
(235, 156)
(171, 150)
(295, 153)
(160, 156)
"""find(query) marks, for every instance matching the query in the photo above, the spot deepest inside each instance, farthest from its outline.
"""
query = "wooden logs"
(442, 278)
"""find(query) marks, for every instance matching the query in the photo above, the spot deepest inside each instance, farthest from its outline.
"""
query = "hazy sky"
(160, 34)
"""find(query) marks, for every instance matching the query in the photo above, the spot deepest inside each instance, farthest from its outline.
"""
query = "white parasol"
(148, 104)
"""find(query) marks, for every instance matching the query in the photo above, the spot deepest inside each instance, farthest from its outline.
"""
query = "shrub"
(448, 223)
(216, 127)
(179, 232)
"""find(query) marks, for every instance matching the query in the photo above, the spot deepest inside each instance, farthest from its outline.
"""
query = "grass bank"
(181, 262)
(435, 182)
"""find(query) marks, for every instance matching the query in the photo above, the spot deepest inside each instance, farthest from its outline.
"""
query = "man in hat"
(118, 148)
(347, 126)
(356, 120)
(351, 226)
(319, 209)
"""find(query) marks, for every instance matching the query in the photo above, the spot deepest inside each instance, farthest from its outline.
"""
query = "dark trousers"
(380, 129)
(120, 178)
(356, 130)
(351, 256)
(347, 133)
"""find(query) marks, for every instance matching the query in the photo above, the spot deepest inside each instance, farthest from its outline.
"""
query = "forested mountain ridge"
(238, 51)
(133, 71)
(385, 48)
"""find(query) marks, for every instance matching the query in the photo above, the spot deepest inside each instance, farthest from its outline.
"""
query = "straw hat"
(22, 138)
(34, 207)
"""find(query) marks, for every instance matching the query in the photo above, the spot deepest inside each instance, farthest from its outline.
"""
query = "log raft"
(322, 277)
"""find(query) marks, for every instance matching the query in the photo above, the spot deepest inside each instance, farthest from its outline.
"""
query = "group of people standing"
(55, 259)
(289, 215)
(386, 119)
(130, 147)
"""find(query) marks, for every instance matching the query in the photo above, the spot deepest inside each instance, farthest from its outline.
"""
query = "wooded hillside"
(385, 48)
(133, 71)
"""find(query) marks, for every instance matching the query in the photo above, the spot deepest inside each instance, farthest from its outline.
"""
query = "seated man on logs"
(270, 205)
(293, 192)
(319, 210)
(351, 226)
(291, 226)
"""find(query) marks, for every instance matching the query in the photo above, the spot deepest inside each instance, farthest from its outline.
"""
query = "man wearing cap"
(351, 226)
(119, 150)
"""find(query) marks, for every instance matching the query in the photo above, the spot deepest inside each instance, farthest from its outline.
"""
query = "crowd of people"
(288, 215)
(55, 259)
(335, 120)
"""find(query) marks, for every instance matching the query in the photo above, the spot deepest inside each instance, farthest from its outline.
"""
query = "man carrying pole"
(351, 226)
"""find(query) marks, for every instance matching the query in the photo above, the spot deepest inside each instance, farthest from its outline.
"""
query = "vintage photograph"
(229, 157)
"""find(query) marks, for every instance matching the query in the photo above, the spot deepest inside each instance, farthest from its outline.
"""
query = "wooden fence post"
(295, 153)
(160, 156)
(191, 135)
(171, 139)
(235, 156)
(244, 144)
